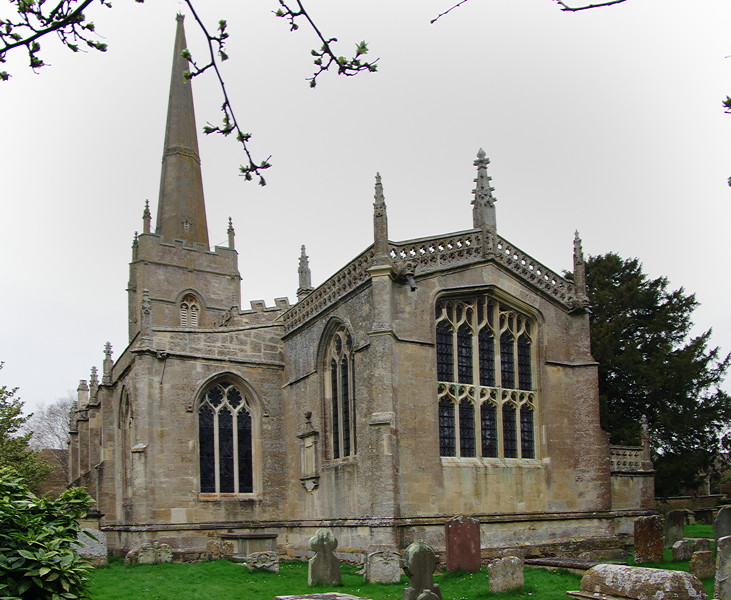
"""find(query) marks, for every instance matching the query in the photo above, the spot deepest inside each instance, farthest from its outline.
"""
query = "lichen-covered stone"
(648, 539)
(640, 583)
(505, 574)
(324, 567)
(419, 563)
(463, 544)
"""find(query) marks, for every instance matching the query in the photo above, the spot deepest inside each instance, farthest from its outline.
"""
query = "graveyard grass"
(224, 580)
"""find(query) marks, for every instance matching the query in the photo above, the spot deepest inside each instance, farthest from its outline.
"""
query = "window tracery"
(225, 441)
(481, 339)
(340, 396)
(189, 311)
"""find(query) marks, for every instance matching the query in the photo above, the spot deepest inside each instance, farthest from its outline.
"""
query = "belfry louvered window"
(485, 379)
(225, 441)
(340, 395)
(189, 310)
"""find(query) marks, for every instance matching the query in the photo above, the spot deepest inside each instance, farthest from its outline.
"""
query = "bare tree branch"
(440, 15)
(566, 7)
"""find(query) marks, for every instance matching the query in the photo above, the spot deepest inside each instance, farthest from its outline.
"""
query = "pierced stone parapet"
(430, 254)
(345, 280)
(629, 459)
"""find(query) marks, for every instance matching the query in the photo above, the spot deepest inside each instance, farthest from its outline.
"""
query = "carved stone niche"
(309, 463)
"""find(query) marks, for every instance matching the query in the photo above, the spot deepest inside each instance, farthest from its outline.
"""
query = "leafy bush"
(37, 561)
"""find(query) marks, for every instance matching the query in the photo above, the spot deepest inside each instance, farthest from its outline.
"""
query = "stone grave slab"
(683, 549)
(324, 567)
(648, 534)
(419, 563)
(722, 590)
(702, 564)
(674, 527)
(722, 523)
(383, 566)
(505, 574)
(462, 535)
(263, 561)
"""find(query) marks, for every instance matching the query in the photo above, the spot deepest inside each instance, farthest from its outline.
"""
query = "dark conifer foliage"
(650, 365)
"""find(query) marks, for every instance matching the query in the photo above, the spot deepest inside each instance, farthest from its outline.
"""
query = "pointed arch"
(191, 308)
(228, 414)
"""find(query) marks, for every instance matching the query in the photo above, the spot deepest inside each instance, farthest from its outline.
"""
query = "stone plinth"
(462, 535)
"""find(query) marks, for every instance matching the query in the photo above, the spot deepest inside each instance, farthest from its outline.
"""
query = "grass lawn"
(699, 530)
(223, 580)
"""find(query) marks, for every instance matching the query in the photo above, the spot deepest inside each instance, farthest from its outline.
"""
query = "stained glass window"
(480, 339)
(225, 441)
(341, 392)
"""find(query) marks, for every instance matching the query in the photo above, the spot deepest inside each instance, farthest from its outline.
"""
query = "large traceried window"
(340, 394)
(189, 311)
(225, 441)
(486, 387)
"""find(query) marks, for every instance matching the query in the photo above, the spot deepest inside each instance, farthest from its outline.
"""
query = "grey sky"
(607, 121)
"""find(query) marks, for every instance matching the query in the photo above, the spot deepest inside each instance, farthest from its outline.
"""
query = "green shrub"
(37, 560)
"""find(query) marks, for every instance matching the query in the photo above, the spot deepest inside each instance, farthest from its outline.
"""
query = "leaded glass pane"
(464, 354)
(525, 375)
(447, 446)
(206, 449)
(354, 420)
(527, 441)
(486, 347)
(215, 395)
(246, 475)
(233, 396)
(445, 366)
(507, 361)
(225, 451)
(466, 429)
(335, 408)
(345, 402)
(510, 441)
(488, 430)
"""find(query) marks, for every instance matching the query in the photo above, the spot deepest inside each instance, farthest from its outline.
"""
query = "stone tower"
(175, 279)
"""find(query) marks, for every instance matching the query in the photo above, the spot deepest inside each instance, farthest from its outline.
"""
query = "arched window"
(225, 440)
(340, 394)
(480, 339)
(189, 310)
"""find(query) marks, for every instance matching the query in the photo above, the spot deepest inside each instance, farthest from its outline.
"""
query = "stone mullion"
(235, 438)
(216, 453)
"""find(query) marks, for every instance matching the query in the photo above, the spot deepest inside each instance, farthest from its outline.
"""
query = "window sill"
(476, 462)
(340, 462)
(228, 497)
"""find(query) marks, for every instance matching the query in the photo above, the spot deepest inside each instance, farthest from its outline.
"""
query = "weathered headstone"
(504, 574)
(648, 539)
(218, 549)
(702, 564)
(150, 553)
(263, 561)
(92, 545)
(674, 527)
(383, 566)
(324, 567)
(683, 549)
(722, 523)
(419, 563)
(641, 583)
(462, 536)
(722, 590)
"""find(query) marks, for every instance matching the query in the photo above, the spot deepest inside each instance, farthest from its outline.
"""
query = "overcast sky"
(608, 121)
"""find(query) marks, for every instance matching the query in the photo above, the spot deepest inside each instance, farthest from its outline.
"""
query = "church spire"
(181, 212)
(483, 211)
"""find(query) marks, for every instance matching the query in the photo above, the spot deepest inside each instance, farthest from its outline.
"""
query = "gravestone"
(419, 563)
(462, 536)
(263, 561)
(324, 567)
(150, 553)
(722, 591)
(217, 549)
(648, 539)
(325, 596)
(702, 564)
(641, 583)
(683, 549)
(674, 527)
(383, 566)
(722, 523)
(92, 545)
(504, 574)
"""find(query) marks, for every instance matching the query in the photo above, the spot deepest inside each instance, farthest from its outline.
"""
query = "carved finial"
(483, 211)
(94, 378)
(146, 218)
(82, 394)
(231, 234)
(305, 276)
(580, 271)
(135, 240)
(107, 365)
(380, 224)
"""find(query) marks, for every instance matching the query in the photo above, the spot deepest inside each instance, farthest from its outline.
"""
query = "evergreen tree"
(650, 366)
(14, 450)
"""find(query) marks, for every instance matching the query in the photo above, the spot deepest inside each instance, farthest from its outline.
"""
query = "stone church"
(427, 378)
